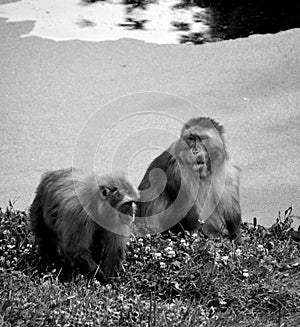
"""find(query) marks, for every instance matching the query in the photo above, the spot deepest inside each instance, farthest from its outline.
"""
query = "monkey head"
(120, 195)
(202, 146)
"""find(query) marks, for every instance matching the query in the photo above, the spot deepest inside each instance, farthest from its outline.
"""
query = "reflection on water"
(156, 21)
(239, 18)
(224, 19)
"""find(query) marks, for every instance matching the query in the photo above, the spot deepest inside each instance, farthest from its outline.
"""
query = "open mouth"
(128, 208)
(199, 164)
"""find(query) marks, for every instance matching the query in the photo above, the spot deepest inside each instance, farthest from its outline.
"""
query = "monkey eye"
(104, 191)
(191, 138)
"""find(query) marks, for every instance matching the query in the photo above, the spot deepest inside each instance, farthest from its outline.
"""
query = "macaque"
(84, 220)
(193, 185)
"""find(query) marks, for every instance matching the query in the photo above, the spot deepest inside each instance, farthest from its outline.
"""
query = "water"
(238, 18)
(106, 20)
(154, 21)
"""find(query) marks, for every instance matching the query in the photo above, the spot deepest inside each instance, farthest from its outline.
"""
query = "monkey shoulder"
(166, 162)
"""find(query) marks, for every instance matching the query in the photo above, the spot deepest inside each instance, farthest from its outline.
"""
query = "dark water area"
(225, 19)
(234, 19)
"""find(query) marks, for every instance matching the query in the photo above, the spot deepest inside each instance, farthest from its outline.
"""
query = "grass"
(167, 281)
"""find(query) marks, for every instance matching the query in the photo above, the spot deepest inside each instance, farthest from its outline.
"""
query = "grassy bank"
(167, 281)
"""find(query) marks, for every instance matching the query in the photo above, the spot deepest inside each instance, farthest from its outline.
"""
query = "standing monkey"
(83, 219)
(201, 184)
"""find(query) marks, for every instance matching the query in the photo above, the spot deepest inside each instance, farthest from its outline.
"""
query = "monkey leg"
(85, 259)
(114, 254)
(214, 227)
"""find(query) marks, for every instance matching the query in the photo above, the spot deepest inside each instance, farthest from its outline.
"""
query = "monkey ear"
(104, 191)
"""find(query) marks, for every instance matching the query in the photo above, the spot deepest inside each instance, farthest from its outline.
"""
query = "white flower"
(171, 254)
(238, 252)
(168, 249)
(245, 273)
(225, 258)
(157, 255)
(260, 247)
(217, 256)
(162, 265)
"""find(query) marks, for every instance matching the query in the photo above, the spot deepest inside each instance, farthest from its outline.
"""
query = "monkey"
(81, 219)
(193, 185)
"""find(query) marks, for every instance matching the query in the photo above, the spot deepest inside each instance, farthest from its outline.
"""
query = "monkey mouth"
(199, 165)
(128, 208)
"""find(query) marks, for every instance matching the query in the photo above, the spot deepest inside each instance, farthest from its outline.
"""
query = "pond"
(154, 21)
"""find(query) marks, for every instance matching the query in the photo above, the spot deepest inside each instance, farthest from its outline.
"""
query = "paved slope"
(49, 89)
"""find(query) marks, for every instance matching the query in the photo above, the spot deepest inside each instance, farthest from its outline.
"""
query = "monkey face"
(128, 208)
(112, 195)
(204, 149)
(121, 196)
(194, 154)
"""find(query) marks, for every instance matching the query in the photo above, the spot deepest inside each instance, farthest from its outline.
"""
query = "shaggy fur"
(78, 219)
(193, 185)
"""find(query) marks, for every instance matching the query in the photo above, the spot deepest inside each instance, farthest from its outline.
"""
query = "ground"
(50, 90)
(167, 281)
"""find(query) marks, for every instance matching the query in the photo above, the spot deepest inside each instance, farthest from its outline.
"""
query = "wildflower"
(260, 248)
(176, 285)
(184, 243)
(157, 255)
(217, 256)
(120, 297)
(194, 235)
(147, 249)
(225, 259)
(245, 273)
(171, 254)
(238, 252)
(168, 249)
(162, 265)
(108, 287)
(46, 284)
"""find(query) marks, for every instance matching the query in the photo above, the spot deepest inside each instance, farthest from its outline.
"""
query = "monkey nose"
(200, 159)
